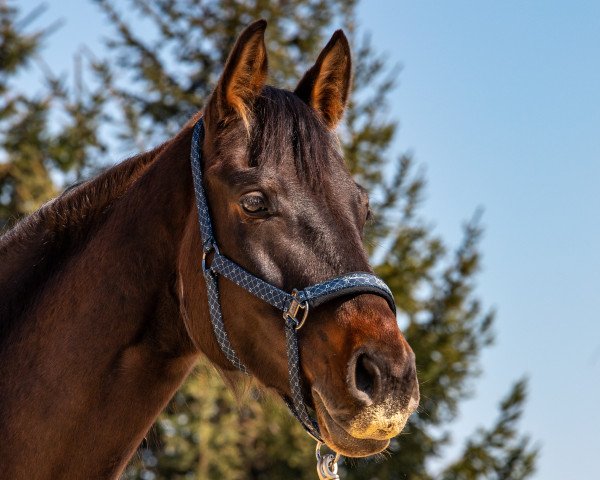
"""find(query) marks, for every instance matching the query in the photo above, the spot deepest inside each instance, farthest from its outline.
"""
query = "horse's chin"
(338, 439)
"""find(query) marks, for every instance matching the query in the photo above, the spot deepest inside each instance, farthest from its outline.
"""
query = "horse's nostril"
(366, 375)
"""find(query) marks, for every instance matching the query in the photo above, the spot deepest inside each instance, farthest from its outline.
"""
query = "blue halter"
(295, 306)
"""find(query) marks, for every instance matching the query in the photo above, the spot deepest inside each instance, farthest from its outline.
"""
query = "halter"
(295, 306)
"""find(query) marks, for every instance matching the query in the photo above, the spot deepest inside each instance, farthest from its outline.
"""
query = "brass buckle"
(294, 309)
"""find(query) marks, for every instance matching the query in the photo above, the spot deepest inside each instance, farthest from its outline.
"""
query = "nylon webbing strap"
(314, 295)
(206, 231)
(257, 287)
(295, 379)
(214, 306)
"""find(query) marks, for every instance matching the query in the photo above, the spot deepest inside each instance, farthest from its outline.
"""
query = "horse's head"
(285, 207)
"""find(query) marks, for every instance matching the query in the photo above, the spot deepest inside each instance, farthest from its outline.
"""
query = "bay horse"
(104, 310)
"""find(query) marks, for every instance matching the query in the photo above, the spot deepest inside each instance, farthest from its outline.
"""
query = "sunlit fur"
(326, 86)
(243, 77)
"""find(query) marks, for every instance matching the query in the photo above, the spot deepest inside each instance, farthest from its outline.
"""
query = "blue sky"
(500, 102)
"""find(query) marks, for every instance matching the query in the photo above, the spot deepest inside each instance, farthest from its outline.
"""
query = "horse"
(104, 309)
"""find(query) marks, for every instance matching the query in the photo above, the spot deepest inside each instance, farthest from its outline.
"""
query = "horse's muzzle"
(382, 393)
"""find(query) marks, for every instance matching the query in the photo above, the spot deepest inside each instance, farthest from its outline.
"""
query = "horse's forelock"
(282, 120)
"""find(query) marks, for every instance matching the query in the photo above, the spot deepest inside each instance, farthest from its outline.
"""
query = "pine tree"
(155, 78)
(32, 150)
(24, 177)
(497, 452)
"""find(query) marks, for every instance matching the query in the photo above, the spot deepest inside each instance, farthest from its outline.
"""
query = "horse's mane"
(35, 246)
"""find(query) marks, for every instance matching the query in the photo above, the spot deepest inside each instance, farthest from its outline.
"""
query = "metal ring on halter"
(294, 309)
(327, 467)
(205, 251)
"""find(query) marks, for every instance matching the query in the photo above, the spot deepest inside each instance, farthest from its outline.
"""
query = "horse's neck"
(104, 347)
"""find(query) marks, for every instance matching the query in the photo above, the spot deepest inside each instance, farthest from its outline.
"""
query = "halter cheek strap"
(294, 306)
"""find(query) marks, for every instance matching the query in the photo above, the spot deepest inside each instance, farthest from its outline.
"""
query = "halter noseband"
(295, 306)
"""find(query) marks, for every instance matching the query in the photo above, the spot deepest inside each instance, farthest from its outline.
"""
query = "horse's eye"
(254, 203)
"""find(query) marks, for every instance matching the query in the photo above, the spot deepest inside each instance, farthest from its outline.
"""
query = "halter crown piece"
(295, 306)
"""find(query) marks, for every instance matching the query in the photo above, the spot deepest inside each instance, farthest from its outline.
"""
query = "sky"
(500, 104)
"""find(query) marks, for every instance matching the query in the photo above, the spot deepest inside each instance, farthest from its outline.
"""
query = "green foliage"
(497, 453)
(24, 176)
(48, 132)
(159, 71)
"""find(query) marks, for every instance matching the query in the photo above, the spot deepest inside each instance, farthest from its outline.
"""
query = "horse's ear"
(243, 77)
(326, 86)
